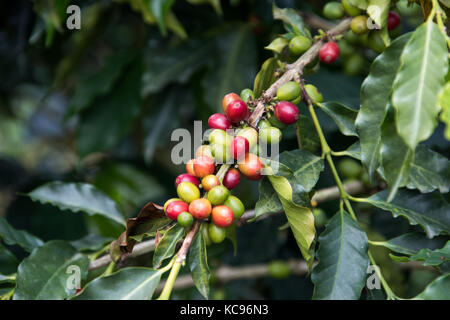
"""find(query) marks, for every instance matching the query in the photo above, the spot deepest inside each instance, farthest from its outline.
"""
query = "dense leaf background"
(97, 106)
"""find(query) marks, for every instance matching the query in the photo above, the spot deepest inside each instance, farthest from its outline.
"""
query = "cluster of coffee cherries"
(232, 140)
(360, 34)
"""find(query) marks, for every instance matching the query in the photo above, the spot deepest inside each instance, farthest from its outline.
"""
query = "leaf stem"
(167, 290)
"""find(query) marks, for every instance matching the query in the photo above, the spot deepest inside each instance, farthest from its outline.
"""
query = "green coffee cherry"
(221, 152)
(216, 234)
(376, 42)
(219, 136)
(297, 100)
(185, 219)
(289, 91)
(350, 168)
(219, 294)
(299, 45)
(218, 195)
(320, 217)
(359, 25)
(188, 192)
(279, 269)
(350, 9)
(270, 135)
(236, 205)
(352, 38)
(354, 64)
(345, 48)
(333, 10)
(313, 93)
(247, 94)
(264, 123)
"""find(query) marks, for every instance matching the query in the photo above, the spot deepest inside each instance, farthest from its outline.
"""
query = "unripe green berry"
(350, 168)
(204, 228)
(218, 195)
(299, 45)
(216, 234)
(375, 41)
(219, 136)
(359, 25)
(270, 135)
(185, 219)
(320, 217)
(188, 192)
(264, 123)
(354, 64)
(247, 94)
(279, 269)
(289, 91)
(313, 93)
(236, 205)
(333, 10)
(221, 152)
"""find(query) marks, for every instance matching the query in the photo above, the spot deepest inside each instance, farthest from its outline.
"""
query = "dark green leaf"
(198, 264)
(439, 289)
(412, 243)
(419, 81)
(430, 171)
(292, 20)
(132, 283)
(309, 139)
(268, 201)
(214, 3)
(104, 125)
(265, 76)
(445, 105)
(429, 210)
(159, 9)
(375, 93)
(12, 236)
(343, 116)
(45, 274)
(91, 242)
(342, 269)
(433, 257)
(166, 246)
(8, 262)
(78, 197)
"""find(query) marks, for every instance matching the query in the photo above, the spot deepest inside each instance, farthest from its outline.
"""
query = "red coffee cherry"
(190, 167)
(286, 112)
(393, 20)
(203, 166)
(236, 111)
(251, 167)
(219, 121)
(222, 216)
(239, 147)
(227, 99)
(174, 208)
(329, 52)
(186, 177)
(231, 179)
(200, 208)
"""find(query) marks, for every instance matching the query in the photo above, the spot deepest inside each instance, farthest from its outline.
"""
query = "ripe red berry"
(190, 167)
(200, 208)
(174, 208)
(236, 111)
(239, 147)
(286, 112)
(222, 216)
(393, 20)
(231, 179)
(186, 177)
(219, 121)
(228, 98)
(251, 167)
(329, 52)
(203, 166)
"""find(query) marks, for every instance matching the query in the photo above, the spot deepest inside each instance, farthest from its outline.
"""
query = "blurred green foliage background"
(99, 105)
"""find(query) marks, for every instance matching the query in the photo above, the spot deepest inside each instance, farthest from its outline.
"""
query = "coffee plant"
(362, 197)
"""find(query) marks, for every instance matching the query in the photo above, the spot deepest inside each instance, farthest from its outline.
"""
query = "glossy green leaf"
(309, 139)
(429, 171)
(46, 273)
(342, 268)
(78, 197)
(268, 201)
(12, 236)
(429, 210)
(8, 262)
(433, 257)
(198, 264)
(277, 45)
(292, 20)
(362, 4)
(265, 77)
(91, 242)
(445, 105)
(103, 126)
(438, 289)
(375, 93)
(166, 246)
(133, 283)
(378, 10)
(396, 156)
(419, 81)
(101, 82)
(412, 243)
(175, 64)
(343, 116)
(353, 151)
